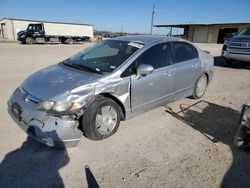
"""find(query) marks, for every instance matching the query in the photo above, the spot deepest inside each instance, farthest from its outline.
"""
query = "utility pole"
(152, 19)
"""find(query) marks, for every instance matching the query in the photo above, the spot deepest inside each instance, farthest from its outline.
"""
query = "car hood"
(56, 80)
(241, 39)
(22, 32)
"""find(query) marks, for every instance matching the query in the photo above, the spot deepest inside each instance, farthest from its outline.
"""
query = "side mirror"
(144, 69)
(234, 34)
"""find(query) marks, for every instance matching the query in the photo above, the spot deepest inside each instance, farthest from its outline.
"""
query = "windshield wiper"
(69, 65)
(82, 67)
(88, 68)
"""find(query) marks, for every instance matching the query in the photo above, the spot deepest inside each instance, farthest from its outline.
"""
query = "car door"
(156, 88)
(188, 68)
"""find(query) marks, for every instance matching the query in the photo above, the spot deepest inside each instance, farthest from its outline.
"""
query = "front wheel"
(101, 119)
(200, 87)
(29, 40)
(69, 41)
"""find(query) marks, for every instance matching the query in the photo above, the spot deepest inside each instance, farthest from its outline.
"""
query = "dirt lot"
(161, 148)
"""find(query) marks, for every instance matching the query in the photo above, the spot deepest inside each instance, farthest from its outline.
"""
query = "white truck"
(51, 32)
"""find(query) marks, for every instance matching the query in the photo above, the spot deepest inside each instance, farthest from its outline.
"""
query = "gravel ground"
(165, 147)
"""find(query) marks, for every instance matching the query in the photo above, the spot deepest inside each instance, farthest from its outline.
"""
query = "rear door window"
(184, 52)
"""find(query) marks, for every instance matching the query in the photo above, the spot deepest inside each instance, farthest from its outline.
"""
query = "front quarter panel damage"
(117, 87)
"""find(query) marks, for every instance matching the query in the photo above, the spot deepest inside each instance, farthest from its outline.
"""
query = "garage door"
(200, 34)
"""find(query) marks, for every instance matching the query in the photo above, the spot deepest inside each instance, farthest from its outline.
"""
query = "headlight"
(46, 105)
(61, 106)
(51, 106)
(246, 117)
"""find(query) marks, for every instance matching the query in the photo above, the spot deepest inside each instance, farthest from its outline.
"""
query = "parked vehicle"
(114, 80)
(237, 47)
(49, 32)
(242, 137)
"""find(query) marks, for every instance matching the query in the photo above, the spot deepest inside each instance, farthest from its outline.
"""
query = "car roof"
(145, 39)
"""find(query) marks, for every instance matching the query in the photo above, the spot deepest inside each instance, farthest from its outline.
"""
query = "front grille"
(240, 45)
(234, 44)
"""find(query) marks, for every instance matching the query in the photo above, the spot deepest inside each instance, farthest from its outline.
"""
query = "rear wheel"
(29, 40)
(101, 119)
(200, 87)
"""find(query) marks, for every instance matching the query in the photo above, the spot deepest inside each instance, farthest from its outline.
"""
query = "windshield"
(104, 57)
(245, 32)
(35, 27)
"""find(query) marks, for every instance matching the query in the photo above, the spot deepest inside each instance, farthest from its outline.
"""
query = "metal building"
(9, 27)
(206, 33)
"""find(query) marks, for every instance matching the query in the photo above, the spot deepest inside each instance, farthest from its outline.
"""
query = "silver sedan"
(91, 92)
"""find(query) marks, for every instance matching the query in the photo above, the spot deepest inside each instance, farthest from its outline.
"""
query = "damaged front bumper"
(59, 131)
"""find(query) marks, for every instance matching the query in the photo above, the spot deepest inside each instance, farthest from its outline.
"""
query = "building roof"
(44, 21)
(145, 39)
(200, 24)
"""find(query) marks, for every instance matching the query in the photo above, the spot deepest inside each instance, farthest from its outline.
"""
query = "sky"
(128, 15)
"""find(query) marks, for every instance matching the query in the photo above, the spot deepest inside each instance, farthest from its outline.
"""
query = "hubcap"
(201, 86)
(106, 120)
(29, 40)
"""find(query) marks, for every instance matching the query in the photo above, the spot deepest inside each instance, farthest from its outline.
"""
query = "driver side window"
(158, 56)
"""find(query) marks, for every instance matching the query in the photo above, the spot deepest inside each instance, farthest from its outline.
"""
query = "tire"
(240, 139)
(69, 41)
(101, 119)
(29, 40)
(200, 87)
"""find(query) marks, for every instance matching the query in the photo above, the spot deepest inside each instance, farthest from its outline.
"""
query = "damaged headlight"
(246, 117)
(60, 106)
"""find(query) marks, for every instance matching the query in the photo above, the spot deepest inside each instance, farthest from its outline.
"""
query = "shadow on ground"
(91, 181)
(218, 61)
(33, 165)
(219, 124)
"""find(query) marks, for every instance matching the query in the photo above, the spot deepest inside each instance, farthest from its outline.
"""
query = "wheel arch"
(118, 102)
(207, 75)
